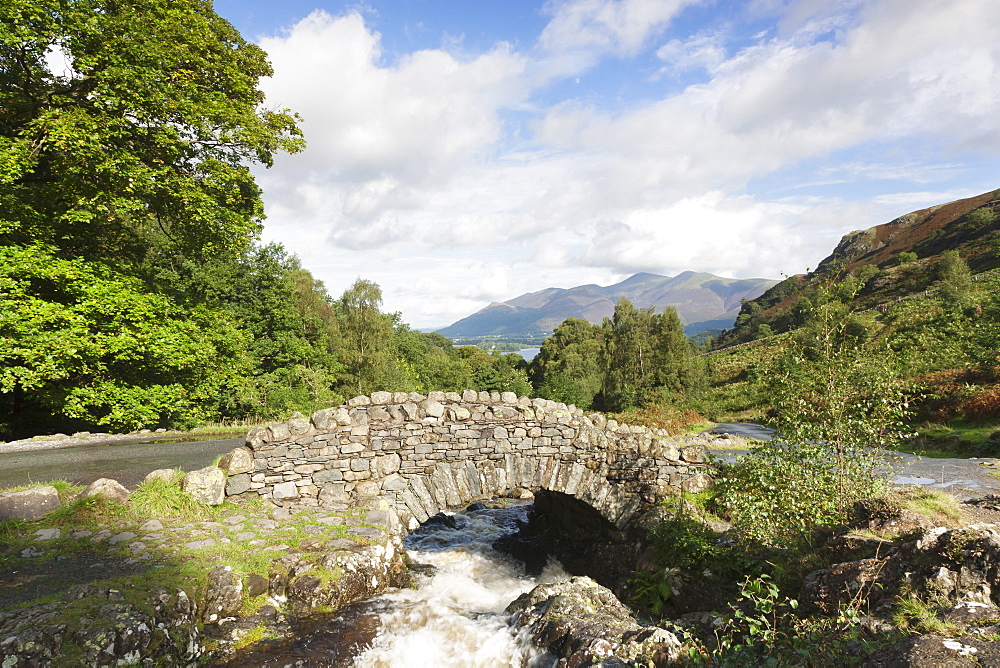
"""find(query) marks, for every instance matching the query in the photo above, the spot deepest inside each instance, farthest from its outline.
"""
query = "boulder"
(584, 623)
(207, 485)
(166, 475)
(237, 460)
(112, 490)
(29, 504)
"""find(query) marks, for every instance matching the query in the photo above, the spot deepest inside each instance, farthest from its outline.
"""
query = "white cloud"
(413, 179)
(703, 51)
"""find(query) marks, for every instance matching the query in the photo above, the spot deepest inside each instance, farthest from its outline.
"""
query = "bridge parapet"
(427, 453)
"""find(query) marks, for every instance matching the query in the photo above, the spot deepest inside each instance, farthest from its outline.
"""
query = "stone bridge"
(425, 454)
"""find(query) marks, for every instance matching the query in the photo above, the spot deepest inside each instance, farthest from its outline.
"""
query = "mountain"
(899, 256)
(703, 301)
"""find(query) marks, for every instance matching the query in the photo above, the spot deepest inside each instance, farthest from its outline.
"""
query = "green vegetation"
(134, 291)
(634, 359)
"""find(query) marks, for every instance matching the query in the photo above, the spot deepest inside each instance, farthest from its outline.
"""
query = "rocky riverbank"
(98, 582)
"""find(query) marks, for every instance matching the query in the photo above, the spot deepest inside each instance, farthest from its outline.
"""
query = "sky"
(462, 152)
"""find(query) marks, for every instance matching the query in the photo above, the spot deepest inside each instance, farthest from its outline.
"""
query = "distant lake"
(527, 353)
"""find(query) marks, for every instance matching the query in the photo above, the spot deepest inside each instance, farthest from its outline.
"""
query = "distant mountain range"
(702, 300)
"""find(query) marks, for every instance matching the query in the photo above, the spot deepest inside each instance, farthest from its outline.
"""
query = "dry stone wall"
(427, 453)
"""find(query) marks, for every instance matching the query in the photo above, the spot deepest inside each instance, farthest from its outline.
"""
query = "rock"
(166, 475)
(432, 408)
(29, 504)
(285, 490)
(207, 485)
(695, 454)
(256, 585)
(237, 460)
(238, 484)
(112, 490)
(697, 483)
(151, 525)
(583, 623)
(224, 595)
(47, 534)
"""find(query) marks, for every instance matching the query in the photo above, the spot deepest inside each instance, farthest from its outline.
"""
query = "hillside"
(898, 258)
(703, 301)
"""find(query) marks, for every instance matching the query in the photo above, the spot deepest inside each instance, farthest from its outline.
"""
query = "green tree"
(568, 366)
(645, 356)
(368, 352)
(145, 142)
(84, 342)
(954, 281)
(839, 398)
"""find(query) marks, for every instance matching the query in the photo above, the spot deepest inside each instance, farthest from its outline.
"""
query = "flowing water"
(453, 618)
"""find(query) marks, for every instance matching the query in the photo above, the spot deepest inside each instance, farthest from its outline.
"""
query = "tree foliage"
(92, 344)
(143, 143)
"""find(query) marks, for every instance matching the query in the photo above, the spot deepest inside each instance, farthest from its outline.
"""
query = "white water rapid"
(455, 616)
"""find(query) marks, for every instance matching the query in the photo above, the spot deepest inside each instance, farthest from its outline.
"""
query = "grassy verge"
(955, 439)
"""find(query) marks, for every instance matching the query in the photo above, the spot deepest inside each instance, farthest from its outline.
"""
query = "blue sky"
(468, 151)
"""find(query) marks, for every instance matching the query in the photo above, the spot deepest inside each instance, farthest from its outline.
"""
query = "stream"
(453, 618)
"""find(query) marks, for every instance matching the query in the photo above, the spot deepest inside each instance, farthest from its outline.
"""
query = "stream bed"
(453, 617)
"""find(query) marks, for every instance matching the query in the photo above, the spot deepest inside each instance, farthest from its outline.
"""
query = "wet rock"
(112, 490)
(29, 504)
(207, 485)
(583, 623)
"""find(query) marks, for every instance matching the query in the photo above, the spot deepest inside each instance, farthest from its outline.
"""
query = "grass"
(956, 438)
(913, 613)
(938, 506)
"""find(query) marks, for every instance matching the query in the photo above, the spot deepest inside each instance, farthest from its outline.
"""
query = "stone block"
(381, 398)
(350, 448)
(436, 396)
(395, 483)
(367, 488)
(29, 504)
(695, 454)
(166, 475)
(237, 460)
(378, 414)
(459, 413)
(279, 432)
(697, 483)
(297, 425)
(238, 484)
(431, 407)
(359, 401)
(207, 485)
(285, 490)
(386, 465)
(360, 465)
(324, 477)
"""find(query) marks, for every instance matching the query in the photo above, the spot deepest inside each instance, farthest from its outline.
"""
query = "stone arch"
(424, 454)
